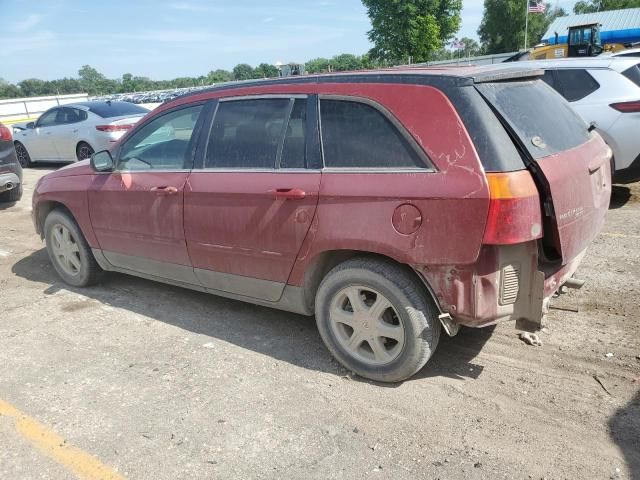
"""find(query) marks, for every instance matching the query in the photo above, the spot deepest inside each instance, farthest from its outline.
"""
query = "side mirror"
(31, 125)
(102, 161)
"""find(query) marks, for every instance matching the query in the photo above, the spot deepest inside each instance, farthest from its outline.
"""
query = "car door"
(65, 135)
(137, 210)
(39, 140)
(250, 205)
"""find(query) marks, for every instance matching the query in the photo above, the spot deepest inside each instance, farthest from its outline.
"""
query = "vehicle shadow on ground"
(624, 427)
(619, 197)
(7, 205)
(281, 335)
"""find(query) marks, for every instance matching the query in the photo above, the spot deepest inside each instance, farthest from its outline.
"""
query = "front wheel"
(68, 250)
(377, 319)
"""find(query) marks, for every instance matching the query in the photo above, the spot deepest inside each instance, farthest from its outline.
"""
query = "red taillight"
(5, 134)
(114, 128)
(514, 209)
(627, 107)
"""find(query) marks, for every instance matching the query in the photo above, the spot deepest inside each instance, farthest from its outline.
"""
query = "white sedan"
(73, 132)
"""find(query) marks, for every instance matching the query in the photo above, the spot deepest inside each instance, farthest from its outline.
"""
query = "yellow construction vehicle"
(583, 41)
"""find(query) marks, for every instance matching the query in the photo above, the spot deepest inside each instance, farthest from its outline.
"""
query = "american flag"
(536, 6)
(457, 44)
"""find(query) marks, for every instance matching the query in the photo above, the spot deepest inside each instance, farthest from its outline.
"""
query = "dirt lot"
(150, 381)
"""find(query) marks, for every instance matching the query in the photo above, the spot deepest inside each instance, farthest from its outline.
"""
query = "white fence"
(22, 109)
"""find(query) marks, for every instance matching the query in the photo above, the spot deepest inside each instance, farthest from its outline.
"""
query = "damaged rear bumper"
(505, 283)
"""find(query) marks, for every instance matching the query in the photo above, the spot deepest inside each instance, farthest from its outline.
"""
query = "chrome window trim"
(256, 170)
(429, 165)
(262, 96)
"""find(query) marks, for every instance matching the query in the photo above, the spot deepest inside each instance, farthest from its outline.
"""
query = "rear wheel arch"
(325, 261)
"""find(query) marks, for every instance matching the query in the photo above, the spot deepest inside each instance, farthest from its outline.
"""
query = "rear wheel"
(68, 250)
(23, 156)
(377, 319)
(84, 151)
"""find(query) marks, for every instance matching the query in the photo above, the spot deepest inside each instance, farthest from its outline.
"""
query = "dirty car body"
(437, 174)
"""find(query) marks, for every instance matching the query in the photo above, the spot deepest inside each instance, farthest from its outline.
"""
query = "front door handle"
(289, 193)
(163, 191)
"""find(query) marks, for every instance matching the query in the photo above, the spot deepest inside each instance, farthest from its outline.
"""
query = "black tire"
(22, 155)
(84, 151)
(411, 305)
(89, 272)
(12, 196)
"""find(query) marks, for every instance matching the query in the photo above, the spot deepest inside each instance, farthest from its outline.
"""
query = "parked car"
(388, 203)
(630, 52)
(605, 91)
(10, 170)
(73, 132)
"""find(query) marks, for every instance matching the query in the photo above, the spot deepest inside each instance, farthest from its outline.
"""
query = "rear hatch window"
(544, 125)
(633, 74)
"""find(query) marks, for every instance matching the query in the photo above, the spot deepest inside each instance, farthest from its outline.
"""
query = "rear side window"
(543, 121)
(357, 135)
(575, 84)
(116, 109)
(633, 74)
(247, 133)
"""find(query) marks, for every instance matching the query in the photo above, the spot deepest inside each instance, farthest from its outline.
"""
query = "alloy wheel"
(84, 151)
(366, 325)
(22, 155)
(66, 250)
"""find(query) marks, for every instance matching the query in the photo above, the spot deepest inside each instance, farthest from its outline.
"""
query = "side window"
(247, 133)
(69, 115)
(358, 135)
(163, 143)
(48, 119)
(575, 84)
(294, 147)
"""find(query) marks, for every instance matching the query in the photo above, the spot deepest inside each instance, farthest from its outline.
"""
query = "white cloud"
(268, 20)
(28, 23)
(12, 45)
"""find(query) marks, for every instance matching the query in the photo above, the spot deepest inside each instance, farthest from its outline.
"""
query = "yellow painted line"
(17, 120)
(616, 234)
(83, 465)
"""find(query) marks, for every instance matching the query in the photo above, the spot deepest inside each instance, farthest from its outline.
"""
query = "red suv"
(387, 203)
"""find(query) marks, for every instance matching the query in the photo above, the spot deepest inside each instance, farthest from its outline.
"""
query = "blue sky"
(165, 39)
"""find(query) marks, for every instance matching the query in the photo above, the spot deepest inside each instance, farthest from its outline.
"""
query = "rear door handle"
(164, 190)
(289, 193)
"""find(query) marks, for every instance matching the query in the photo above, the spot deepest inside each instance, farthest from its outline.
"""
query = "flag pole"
(526, 24)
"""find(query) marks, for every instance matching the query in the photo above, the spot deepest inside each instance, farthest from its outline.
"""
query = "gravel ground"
(160, 382)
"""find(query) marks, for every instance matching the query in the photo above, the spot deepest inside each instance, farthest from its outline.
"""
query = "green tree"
(243, 71)
(317, 65)
(502, 26)
(590, 6)
(471, 47)
(403, 29)
(265, 70)
(217, 76)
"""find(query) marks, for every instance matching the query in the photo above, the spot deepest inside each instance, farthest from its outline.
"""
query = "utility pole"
(526, 23)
